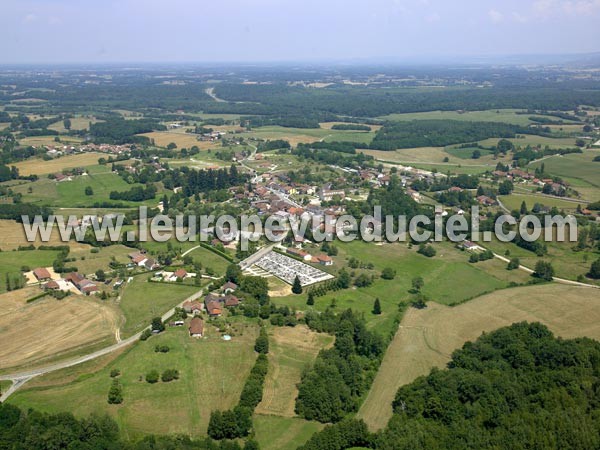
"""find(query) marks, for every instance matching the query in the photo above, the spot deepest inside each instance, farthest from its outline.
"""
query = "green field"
(453, 168)
(449, 279)
(212, 373)
(296, 135)
(576, 168)
(514, 201)
(566, 262)
(502, 115)
(291, 351)
(466, 153)
(533, 140)
(12, 261)
(209, 259)
(142, 300)
(72, 193)
(283, 433)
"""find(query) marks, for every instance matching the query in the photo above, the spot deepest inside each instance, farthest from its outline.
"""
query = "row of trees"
(237, 422)
(333, 387)
(135, 194)
(41, 431)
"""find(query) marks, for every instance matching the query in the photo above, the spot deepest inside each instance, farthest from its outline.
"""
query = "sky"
(119, 31)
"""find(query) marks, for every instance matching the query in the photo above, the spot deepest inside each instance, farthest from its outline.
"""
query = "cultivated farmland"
(48, 328)
(291, 350)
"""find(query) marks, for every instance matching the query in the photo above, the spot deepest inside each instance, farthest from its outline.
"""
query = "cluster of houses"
(68, 175)
(179, 274)
(212, 136)
(215, 302)
(73, 279)
(54, 151)
(141, 259)
(553, 187)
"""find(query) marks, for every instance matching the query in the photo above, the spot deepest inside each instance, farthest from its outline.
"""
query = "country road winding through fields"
(20, 378)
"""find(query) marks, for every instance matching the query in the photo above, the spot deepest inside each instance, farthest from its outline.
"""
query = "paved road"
(20, 378)
(558, 280)
(256, 256)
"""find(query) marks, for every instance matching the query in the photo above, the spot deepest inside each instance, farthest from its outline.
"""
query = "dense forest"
(278, 101)
(117, 130)
(438, 133)
(518, 387)
(333, 387)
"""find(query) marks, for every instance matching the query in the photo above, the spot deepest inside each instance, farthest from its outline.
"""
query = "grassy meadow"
(142, 300)
(449, 279)
(212, 373)
(427, 337)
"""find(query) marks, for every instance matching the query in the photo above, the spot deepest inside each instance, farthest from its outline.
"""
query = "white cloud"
(433, 17)
(495, 16)
(554, 8)
(29, 18)
(519, 17)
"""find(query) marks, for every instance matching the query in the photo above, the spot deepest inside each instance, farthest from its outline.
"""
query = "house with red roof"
(196, 327)
(41, 274)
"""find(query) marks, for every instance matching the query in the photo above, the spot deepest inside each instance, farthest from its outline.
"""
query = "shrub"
(152, 377)
(170, 375)
(145, 334)
(388, 273)
(426, 250)
(544, 270)
(513, 264)
(115, 373)
(115, 393)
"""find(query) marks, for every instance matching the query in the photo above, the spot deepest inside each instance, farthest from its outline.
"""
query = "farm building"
(41, 274)
(196, 327)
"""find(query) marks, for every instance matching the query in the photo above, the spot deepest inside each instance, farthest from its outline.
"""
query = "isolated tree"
(233, 273)
(426, 250)
(152, 377)
(513, 264)
(297, 287)
(158, 325)
(170, 375)
(67, 124)
(310, 301)
(595, 270)
(523, 208)
(476, 154)
(419, 302)
(544, 270)
(505, 188)
(376, 307)
(100, 275)
(165, 204)
(417, 284)
(89, 191)
(344, 279)
(388, 273)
